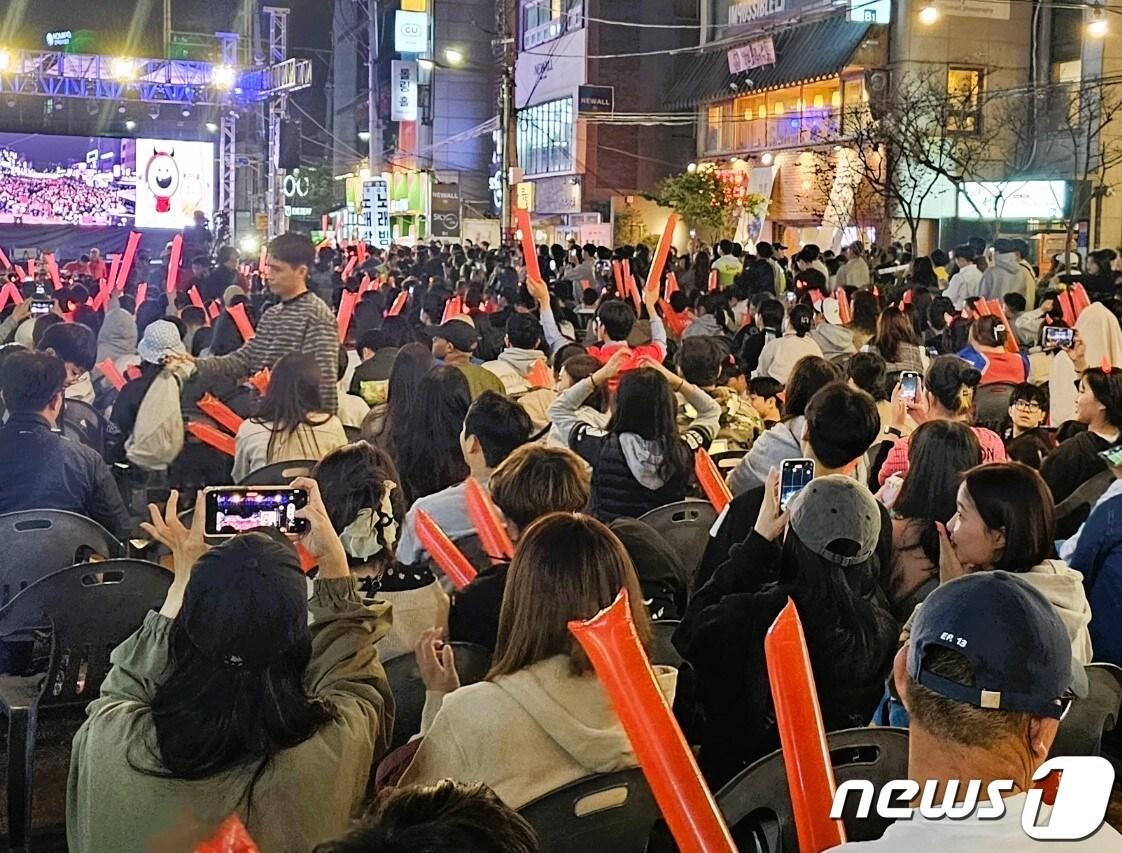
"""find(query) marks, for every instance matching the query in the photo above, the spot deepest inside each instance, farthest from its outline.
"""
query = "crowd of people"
(64, 194)
(954, 554)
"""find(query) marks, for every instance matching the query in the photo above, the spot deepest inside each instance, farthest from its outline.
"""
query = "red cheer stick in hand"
(1079, 298)
(260, 381)
(485, 518)
(241, 320)
(52, 269)
(214, 437)
(221, 413)
(662, 252)
(845, 313)
(110, 372)
(398, 304)
(613, 647)
(671, 284)
(173, 263)
(231, 837)
(806, 754)
(454, 307)
(713, 281)
(446, 555)
(539, 375)
(529, 249)
(122, 278)
(346, 311)
(710, 479)
(196, 297)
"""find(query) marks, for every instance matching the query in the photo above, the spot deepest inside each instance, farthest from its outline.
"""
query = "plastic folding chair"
(685, 526)
(279, 473)
(90, 609)
(1081, 730)
(81, 422)
(662, 647)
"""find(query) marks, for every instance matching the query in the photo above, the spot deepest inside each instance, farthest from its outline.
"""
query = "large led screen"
(94, 181)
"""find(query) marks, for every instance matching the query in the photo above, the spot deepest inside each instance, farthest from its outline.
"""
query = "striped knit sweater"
(304, 324)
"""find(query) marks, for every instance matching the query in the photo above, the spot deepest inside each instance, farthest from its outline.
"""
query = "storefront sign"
(1013, 200)
(524, 195)
(870, 11)
(547, 74)
(745, 13)
(411, 32)
(756, 54)
(995, 10)
(557, 195)
(376, 207)
(445, 210)
(403, 90)
(596, 99)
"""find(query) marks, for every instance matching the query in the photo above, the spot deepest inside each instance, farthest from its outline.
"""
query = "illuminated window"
(545, 137)
(964, 88)
(545, 20)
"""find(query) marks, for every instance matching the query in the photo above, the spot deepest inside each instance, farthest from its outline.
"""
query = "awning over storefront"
(803, 54)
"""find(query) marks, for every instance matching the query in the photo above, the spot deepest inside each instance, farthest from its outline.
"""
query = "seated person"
(352, 408)
(445, 817)
(593, 411)
(161, 340)
(359, 486)
(493, 427)
(291, 421)
(987, 353)
(235, 696)
(766, 396)
(820, 553)
(531, 482)
(556, 721)
(454, 343)
(522, 351)
(76, 345)
(613, 326)
(640, 460)
(39, 468)
(377, 350)
(699, 363)
(981, 708)
(1026, 439)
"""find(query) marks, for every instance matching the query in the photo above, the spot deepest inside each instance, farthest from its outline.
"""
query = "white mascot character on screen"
(162, 177)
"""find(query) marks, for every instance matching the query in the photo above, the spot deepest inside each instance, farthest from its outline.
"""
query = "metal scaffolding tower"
(278, 112)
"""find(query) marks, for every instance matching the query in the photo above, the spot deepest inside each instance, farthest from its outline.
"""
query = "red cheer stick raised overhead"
(141, 294)
(1079, 298)
(713, 281)
(845, 313)
(214, 437)
(122, 278)
(671, 284)
(529, 249)
(446, 555)
(231, 837)
(196, 297)
(221, 413)
(1067, 306)
(9, 293)
(173, 263)
(52, 269)
(485, 518)
(241, 320)
(613, 647)
(662, 252)
(262, 259)
(111, 373)
(710, 480)
(454, 307)
(346, 312)
(4, 261)
(398, 304)
(806, 754)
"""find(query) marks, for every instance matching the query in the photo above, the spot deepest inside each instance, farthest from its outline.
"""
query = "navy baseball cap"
(1012, 637)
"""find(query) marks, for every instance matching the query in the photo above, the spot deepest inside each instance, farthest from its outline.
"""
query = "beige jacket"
(528, 733)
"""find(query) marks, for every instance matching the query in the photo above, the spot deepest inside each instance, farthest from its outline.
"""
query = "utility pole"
(374, 125)
(508, 127)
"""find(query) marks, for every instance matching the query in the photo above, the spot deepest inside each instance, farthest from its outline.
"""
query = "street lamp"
(767, 158)
(1097, 27)
(5, 60)
(453, 56)
(929, 14)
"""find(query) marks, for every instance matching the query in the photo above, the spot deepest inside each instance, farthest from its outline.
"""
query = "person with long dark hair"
(292, 421)
(388, 419)
(865, 309)
(640, 460)
(779, 356)
(898, 343)
(427, 449)
(821, 554)
(987, 352)
(231, 700)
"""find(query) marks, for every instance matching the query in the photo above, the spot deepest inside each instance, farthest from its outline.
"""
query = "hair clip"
(1106, 366)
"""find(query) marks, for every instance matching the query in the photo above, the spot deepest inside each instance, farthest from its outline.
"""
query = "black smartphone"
(231, 510)
(909, 385)
(1112, 456)
(1059, 336)
(794, 474)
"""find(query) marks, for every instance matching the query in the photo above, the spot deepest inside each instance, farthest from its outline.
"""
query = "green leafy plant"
(702, 198)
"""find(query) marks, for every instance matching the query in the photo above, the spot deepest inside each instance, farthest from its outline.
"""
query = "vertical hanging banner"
(403, 90)
(377, 205)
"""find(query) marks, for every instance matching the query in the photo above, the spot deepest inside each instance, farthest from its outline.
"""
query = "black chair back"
(81, 422)
(613, 811)
(991, 404)
(37, 542)
(685, 526)
(279, 473)
(91, 608)
(1081, 730)
(472, 663)
(757, 803)
(352, 433)
(727, 460)
(662, 647)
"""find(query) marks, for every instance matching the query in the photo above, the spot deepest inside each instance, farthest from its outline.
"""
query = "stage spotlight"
(223, 77)
(211, 127)
(121, 108)
(11, 103)
(154, 112)
(5, 60)
(122, 69)
(186, 113)
(364, 135)
(130, 125)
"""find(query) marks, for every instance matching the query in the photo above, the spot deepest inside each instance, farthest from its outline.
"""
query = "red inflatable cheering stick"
(446, 555)
(231, 837)
(485, 518)
(662, 252)
(111, 373)
(241, 320)
(216, 438)
(806, 755)
(710, 480)
(222, 414)
(529, 248)
(610, 641)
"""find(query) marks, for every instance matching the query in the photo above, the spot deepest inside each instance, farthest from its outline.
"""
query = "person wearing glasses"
(1026, 438)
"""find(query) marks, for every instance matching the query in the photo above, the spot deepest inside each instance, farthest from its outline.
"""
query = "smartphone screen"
(1058, 336)
(793, 476)
(39, 306)
(1112, 456)
(231, 510)
(909, 385)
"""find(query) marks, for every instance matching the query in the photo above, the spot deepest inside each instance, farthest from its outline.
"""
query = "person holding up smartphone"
(231, 695)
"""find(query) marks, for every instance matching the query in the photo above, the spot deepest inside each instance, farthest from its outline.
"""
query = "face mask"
(360, 538)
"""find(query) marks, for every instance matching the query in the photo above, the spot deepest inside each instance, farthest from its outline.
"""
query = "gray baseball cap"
(838, 519)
